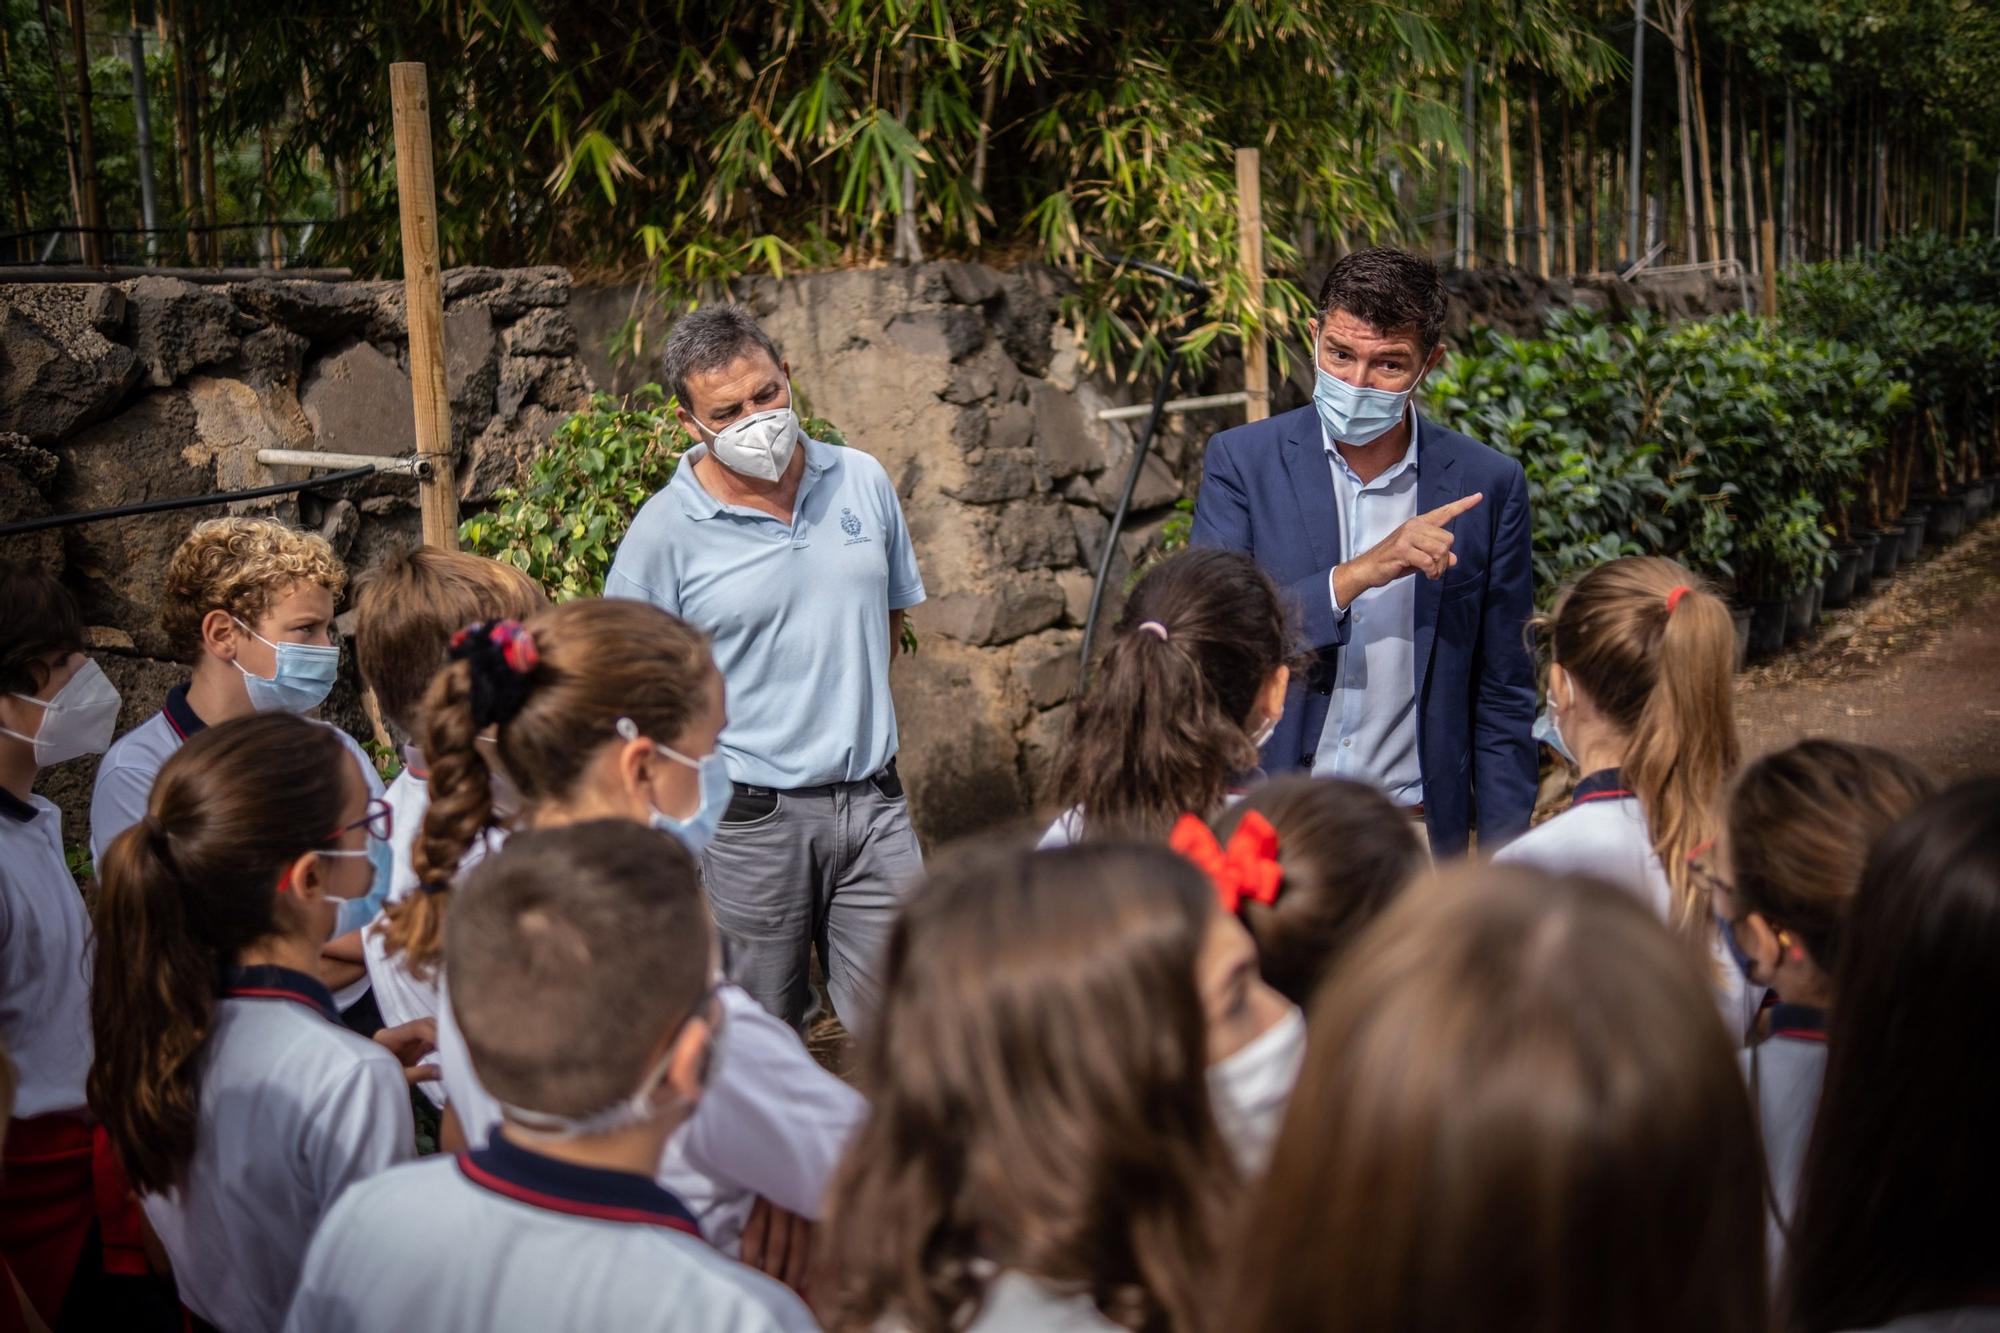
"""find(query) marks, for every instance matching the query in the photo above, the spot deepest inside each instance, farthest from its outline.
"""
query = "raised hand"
(1421, 545)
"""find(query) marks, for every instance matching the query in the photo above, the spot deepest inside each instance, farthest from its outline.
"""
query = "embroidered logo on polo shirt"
(851, 525)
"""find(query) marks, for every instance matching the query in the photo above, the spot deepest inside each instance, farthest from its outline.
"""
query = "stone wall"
(156, 388)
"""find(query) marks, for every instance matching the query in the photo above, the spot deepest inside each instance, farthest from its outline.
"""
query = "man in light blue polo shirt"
(794, 557)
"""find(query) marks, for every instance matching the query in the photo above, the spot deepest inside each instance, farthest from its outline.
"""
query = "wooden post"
(1250, 255)
(416, 201)
(1767, 238)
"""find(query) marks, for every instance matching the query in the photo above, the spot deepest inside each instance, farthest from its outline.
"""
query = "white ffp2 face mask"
(759, 445)
(76, 721)
(1251, 1089)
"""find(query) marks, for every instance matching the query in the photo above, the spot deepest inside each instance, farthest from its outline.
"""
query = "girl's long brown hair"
(183, 892)
(1800, 824)
(599, 660)
(1896, 1195)
(1665, 678)
(1161, 729)
(1517, 1114)
(1040, 1097)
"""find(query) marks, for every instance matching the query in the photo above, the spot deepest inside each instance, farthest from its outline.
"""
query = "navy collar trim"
(1606, 784)
(514, 1172)
(15, 808)
(183, 719)
(1800, 1022)
(268, 981)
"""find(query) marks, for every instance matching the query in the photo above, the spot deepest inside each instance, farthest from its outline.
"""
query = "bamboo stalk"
(1728, 173)
(86, 141)
(1701, 140)
(1509, 251)
(1538, 175)
(1569, 156)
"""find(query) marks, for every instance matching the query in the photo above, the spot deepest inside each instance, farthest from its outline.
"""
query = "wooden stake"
(416, 201)
(1250, 255)
(1767, 236)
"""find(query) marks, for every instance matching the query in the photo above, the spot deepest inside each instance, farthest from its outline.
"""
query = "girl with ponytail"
(611, 709)
(238, 1104)
(1191, 683)
(1641, 695)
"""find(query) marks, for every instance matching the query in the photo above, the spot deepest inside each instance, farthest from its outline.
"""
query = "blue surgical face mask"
(1549, 730)
(1356, 416)
(304, 674)
(697, 830)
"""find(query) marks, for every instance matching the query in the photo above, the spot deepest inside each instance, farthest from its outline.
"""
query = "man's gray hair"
(709, 339)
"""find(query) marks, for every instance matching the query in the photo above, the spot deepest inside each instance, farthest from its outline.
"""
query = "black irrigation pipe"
(1199, 292)
(185, 502)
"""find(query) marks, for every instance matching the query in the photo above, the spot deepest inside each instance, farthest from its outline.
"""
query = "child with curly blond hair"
(249, 603)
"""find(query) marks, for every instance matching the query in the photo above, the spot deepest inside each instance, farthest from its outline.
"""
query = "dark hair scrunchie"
(503, 658)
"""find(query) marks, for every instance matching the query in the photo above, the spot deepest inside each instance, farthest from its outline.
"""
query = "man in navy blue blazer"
(1404, 550)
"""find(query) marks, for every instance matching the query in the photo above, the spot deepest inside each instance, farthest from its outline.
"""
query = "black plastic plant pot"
(1739, 620)
(1945, 523)
(1913, 535)
(1889, 553)
(1840, 578)
(1866, 544)
(1767, 628)
(1978, 497)
(1799, 609)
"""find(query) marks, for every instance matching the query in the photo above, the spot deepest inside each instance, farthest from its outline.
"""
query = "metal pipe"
(1177, 405)
(183, 502)
(314, 458)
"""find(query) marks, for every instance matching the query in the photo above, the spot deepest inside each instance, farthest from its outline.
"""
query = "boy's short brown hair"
(240, 565)
(409, 604)
(38, 621)
(573, 951)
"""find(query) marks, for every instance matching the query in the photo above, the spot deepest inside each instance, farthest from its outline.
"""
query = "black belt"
(885, 780)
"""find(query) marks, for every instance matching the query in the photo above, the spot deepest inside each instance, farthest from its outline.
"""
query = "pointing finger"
(1446, 513)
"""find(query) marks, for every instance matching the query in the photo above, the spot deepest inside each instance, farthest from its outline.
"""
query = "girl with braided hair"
(610, 709)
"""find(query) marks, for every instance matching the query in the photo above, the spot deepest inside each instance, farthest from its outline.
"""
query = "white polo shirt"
(1786, 1071)
(293, 1109)
(505, 1238)
(771, 1122)
(797, 613)
(1604, 835)
(44, 961)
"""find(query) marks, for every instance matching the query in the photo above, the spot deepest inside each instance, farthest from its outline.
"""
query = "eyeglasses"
(380, 821)
(1708, 881)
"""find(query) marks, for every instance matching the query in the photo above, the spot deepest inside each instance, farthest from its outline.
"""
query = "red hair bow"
(1246, 868)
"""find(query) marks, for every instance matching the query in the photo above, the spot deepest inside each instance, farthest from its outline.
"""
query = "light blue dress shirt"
(1371, 729)
(797, 613)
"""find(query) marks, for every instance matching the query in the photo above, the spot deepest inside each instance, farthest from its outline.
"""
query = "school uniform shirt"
(505, 1238)
(401, 994)
(44, 961)
(1785, 1072)
(125, 785)
(293, 1108)
(1603, 834)
(1965, 1319)
(771, 1121)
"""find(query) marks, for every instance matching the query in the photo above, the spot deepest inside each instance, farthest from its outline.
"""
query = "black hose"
(185, 502)
(1144, 446)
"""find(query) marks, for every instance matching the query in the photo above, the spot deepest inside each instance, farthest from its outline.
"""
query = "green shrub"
(563, 523)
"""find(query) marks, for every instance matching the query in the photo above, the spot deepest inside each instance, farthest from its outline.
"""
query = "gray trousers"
(813, 865)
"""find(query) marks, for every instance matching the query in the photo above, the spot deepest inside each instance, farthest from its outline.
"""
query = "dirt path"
(1914, 668)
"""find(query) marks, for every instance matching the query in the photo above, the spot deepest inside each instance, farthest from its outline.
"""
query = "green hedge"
(1745, 447)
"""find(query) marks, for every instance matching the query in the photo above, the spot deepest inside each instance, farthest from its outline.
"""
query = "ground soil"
(1915, 668)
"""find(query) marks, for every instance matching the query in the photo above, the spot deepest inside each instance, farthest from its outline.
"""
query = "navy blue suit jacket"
(1266, 490)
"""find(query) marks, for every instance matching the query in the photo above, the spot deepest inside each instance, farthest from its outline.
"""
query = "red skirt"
(59, 1175)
